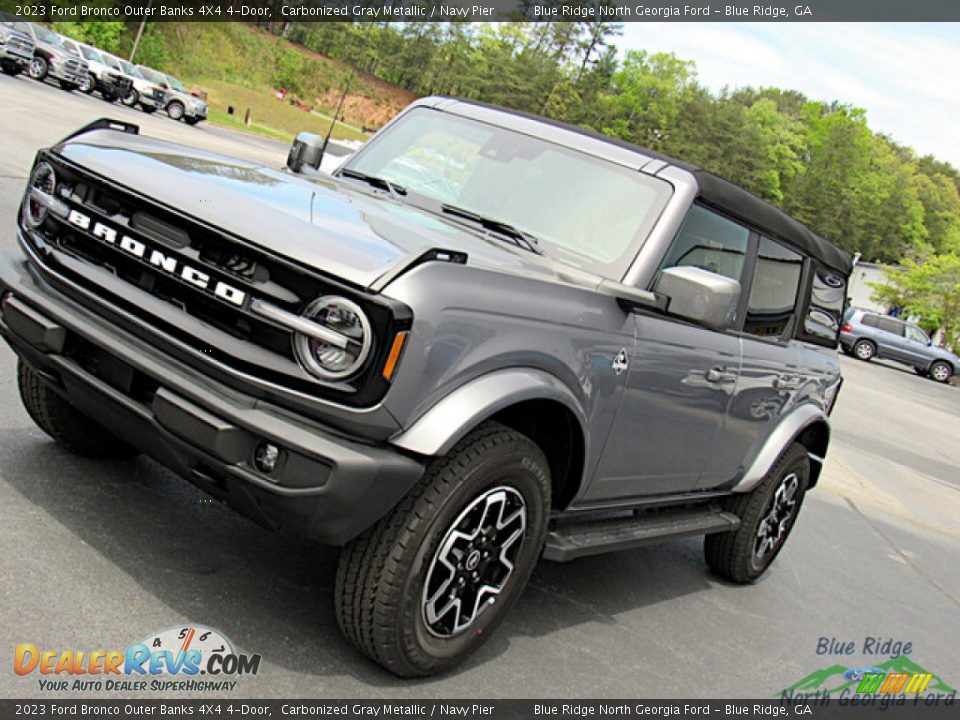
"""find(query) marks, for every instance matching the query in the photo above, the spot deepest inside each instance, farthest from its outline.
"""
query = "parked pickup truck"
(103, 74)
(52, 59)
(487, 338)
(16, 47)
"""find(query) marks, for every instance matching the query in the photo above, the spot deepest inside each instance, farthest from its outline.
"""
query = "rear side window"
(710, 242)
(870, 321)
(891, 325)
(774, 289)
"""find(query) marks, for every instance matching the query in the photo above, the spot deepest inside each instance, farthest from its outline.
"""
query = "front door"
(681, 379)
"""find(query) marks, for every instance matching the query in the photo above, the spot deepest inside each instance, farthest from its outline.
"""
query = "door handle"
(718, 374)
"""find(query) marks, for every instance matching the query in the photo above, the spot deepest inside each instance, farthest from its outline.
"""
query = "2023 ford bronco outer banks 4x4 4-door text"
(485, 338)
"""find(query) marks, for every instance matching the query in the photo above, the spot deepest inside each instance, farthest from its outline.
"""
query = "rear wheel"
(64, 423)
(864, 350)
(427, 585)
(132, 98)
(38, 68)
(767, 515)
(941, 371)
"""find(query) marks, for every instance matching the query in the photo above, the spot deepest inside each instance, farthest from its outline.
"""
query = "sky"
(905, 75)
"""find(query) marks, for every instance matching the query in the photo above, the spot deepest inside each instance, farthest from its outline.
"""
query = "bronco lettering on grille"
(155, 258)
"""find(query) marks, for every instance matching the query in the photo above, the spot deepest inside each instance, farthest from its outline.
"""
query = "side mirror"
(307, 149)
(699, 295)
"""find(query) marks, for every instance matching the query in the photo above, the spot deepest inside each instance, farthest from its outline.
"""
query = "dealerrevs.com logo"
(187, 659)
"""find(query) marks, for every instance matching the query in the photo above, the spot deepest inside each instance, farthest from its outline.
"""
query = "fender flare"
(444, 424)
(779, 440)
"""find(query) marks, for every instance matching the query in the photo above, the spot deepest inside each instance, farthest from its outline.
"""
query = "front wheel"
(941, 371)
(767, 515)
(131, 99)
(426, 586)
(38, 68)
(175, 110)
(88, 85)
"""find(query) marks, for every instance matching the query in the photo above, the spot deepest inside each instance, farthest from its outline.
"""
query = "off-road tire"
(732, 554)
(941, 371)
(864, 350)
(64, 423)
(381, 575)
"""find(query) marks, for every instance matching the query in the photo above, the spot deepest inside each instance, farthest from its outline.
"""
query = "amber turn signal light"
(394, 357)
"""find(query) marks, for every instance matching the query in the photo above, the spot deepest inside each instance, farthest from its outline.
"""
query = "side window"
(891, 326)
(774, 289)
(917, 335)
(871, 321)
(709, 241)
(821, 324)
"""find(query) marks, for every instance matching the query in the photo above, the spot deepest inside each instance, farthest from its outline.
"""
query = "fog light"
(265, 457)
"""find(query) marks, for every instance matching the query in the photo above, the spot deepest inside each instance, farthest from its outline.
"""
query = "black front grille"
(187, 311)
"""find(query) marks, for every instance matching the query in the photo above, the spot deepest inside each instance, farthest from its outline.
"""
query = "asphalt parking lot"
(99, 555)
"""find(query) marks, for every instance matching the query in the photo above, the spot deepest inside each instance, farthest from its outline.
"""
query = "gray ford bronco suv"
(485, 339)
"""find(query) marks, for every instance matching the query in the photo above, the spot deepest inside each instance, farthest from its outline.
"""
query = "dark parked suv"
(868, 335)
(486, 339)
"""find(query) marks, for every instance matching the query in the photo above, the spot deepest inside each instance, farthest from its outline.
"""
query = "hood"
(327, 224)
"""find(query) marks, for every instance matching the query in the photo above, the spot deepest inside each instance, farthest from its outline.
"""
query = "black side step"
(574, 540)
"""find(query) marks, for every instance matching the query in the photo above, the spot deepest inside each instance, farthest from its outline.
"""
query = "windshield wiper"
(519, 237)
(378, 182)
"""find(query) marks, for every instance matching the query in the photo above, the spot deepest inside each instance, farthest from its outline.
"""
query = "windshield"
(129, 69)
(152, 75)
(112, 63)
(91, 55)
(47, 36)
(588, 212)
(175, 84)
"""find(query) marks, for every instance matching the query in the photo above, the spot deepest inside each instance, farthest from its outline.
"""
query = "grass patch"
(269, 116)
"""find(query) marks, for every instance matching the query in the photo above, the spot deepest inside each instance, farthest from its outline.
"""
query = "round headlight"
(44, 179)
(328, 360)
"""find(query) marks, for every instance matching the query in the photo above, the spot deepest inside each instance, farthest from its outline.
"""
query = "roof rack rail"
(104, 124)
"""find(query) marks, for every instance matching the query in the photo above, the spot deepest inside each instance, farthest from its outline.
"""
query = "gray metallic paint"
(508, 325)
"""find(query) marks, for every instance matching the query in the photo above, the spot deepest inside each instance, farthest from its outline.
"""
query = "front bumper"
(326, 487)
(15, 56)
(65, 73)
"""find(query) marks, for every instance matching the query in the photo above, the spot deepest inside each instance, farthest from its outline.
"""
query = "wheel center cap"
(473, 559)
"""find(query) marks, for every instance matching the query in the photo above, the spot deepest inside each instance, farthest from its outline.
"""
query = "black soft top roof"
(725, 197)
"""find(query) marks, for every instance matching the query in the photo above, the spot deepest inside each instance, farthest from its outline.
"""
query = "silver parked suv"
(868, 335)
(487, 338)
